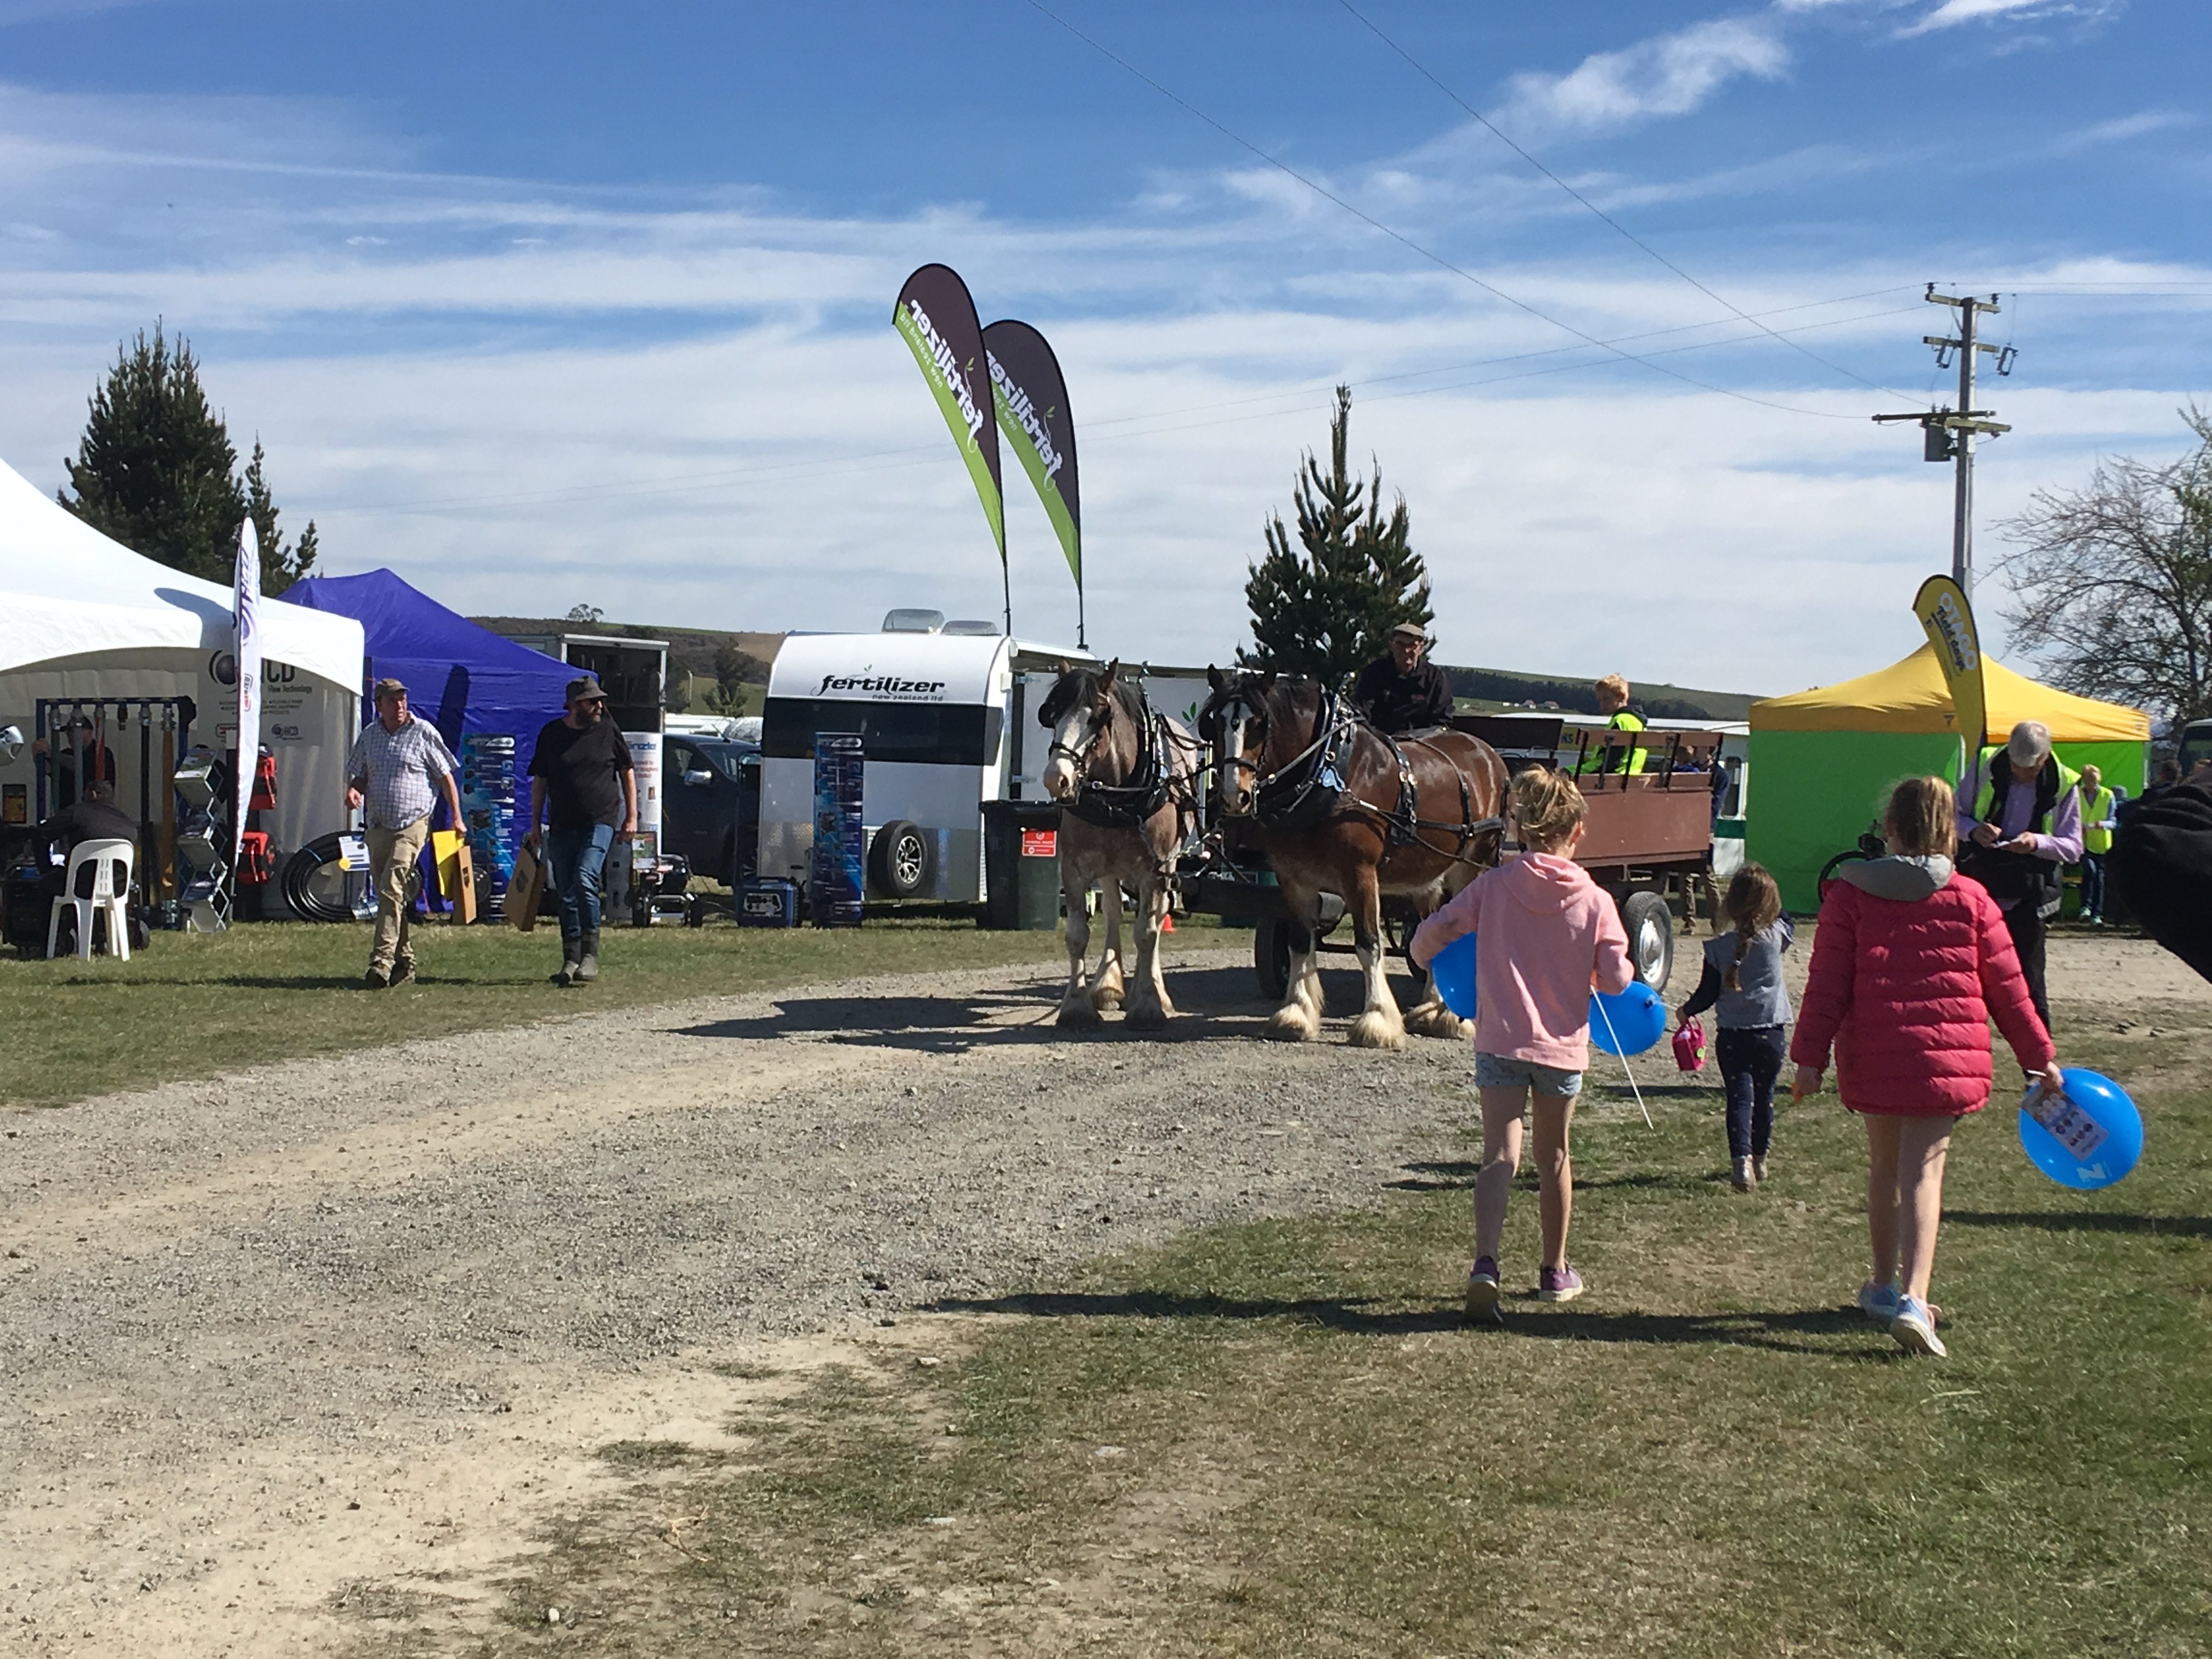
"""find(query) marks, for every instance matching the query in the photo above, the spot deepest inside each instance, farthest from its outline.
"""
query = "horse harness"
(1309, 787)
(1151, 784)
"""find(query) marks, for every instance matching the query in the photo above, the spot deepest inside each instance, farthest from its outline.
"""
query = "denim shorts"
(1498, 1072)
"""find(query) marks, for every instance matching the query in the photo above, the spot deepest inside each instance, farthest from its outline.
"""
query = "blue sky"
(596, 311)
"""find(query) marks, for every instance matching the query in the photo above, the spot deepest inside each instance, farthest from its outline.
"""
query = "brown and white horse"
(1124, 777)
(1337, 807)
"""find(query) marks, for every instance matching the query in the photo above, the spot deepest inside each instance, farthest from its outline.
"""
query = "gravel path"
(346, 1320)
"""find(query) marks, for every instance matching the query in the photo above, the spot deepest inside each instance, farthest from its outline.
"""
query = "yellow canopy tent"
(1821, 761)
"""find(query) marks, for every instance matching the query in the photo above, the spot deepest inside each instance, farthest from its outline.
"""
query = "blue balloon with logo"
(2088, 1136)
(1629, 1022)
(1452, 970)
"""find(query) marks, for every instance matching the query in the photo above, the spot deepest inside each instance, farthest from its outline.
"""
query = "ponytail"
(1753, 903)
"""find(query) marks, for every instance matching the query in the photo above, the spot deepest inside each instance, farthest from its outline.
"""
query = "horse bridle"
(1102, 722)
(1325, 727)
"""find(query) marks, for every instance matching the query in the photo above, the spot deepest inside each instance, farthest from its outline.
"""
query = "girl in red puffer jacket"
(1911, 963)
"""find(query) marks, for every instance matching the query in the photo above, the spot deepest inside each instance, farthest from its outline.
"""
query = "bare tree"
(2112, 584)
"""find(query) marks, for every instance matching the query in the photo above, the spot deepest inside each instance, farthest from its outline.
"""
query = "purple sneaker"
(1482, 1292)
(1558, 1285)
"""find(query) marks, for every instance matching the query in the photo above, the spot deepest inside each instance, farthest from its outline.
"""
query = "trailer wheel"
(1650, 928)
(1271, 956)
(899, 858)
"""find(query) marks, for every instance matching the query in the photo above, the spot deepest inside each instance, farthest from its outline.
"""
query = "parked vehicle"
(947, 716)
(2195, 746)
(710, 805)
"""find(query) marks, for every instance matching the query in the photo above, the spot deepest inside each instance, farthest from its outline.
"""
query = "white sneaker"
(1758, 1168)
(1744, 1179)
(1914, 1328)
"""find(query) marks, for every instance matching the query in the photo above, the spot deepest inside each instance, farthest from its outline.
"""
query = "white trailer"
(947, 716)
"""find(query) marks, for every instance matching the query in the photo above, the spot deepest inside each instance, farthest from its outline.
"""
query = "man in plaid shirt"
(391, 768)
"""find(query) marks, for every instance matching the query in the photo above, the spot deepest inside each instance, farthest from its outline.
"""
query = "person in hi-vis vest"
(1613, 702)
(2019, 826)
(2101, 816)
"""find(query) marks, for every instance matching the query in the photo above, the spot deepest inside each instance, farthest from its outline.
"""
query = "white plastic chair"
(111, 891)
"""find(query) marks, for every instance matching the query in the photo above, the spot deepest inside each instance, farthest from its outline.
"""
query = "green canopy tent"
(1823, 760)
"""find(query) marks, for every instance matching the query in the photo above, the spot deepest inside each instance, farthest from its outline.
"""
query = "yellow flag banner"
(1945, 612)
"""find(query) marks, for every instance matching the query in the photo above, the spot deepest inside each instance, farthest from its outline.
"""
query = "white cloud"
(1666, 75)
(2119, 131)
(1951, 13)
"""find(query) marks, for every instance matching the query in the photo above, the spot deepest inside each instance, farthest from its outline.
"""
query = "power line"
(896, 458)
(1423, 70)
(1400, 237)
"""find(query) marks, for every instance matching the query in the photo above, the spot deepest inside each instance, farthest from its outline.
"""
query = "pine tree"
(156, 471)
(281, 566)
(1325, 608)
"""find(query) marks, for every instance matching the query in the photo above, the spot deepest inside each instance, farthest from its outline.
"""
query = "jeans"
(578, 857)
(2092, 885)
(391, 855)
(1751, 1059)
(2023, 921)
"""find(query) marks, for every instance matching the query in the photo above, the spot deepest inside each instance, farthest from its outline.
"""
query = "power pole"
(1950, 433)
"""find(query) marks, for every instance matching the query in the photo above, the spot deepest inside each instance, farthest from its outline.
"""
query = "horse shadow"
(922, 1024)
(1210, 1003)
(1806, 1331)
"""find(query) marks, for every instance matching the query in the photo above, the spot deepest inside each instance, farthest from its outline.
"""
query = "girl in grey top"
(1743, 980)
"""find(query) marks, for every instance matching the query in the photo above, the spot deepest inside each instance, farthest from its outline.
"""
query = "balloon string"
(1620, 1051)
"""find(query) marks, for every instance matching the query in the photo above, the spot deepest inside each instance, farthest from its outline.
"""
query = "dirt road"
(282, 1351)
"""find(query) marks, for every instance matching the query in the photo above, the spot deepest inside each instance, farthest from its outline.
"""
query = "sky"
(592, 305)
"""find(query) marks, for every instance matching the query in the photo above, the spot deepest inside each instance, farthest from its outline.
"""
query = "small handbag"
(1690, 1046)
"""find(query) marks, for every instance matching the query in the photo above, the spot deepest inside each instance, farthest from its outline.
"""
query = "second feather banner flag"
(1031, 397)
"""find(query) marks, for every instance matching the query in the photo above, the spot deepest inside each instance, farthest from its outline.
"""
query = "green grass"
(194, 1004)
(1708, 1456)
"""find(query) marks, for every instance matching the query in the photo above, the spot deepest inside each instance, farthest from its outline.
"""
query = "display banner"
(248, 609)
(487, 790)
(1030, 396)
(838, 875)
(1945, 612)
(938, 318)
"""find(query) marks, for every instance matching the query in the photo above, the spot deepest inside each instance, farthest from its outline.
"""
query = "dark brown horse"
(1126, 777)
(1339, 807)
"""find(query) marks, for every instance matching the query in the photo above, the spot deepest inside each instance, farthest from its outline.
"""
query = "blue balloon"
(1629, 1022)
(1452, 968)
(2090, 1137)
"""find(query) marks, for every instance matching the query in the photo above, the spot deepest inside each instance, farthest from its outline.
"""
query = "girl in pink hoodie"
(1546, 935)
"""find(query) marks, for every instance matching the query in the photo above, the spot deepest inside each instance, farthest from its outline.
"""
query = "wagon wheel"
(1271, 957)
(1650, 928)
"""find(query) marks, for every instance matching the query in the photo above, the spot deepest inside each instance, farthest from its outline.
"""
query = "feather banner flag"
(938, 319)
(1031, 395)
(1948, 617)
(248, 599)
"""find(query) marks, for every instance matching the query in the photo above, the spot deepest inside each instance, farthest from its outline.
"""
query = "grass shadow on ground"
(2085, 1221)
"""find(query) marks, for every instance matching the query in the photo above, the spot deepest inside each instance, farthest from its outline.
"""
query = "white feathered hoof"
(1433, 1019)
(1078, 1017)
(1106, 993)
(1291, 1024)
(1146, 1016)
(1377, 1030)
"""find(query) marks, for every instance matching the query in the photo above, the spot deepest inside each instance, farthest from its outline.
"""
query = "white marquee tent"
(84, 617)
